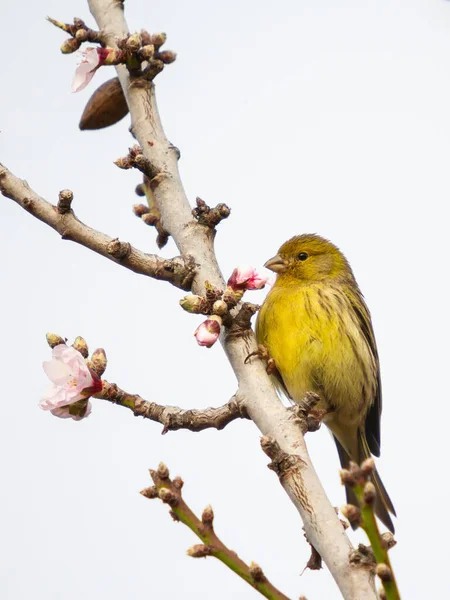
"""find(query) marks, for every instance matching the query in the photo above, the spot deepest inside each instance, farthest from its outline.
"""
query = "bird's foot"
(307, 413)
(263, 354)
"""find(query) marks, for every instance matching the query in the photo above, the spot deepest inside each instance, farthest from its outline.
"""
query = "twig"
(179, 271)
(170, 493)
(173, 417)
(358, 478)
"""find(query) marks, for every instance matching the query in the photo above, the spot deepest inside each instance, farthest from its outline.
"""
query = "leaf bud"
(208, 515)
(124, 163)
(352, 513)
(168, 497)
(199, 551)
(347, 478)
(368, 467)
(369, 493)
(384, 572)
(163, 471)
(150, 492)
(256, 572)
(178, 482)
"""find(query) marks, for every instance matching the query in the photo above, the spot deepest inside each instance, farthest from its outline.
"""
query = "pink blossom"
(72, 380)
(246, 277)
(81, 412)
(92, 59)
(207, 333)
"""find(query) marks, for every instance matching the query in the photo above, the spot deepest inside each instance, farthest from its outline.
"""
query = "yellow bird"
(317, 328)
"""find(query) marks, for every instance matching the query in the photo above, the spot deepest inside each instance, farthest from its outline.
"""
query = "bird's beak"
(277, 264)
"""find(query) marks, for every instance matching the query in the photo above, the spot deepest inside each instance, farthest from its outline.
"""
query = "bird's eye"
(302, 256)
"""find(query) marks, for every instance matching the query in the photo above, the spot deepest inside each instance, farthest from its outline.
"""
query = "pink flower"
(72, 381)
(246, 277)
(207, 333)
(92, 59)
(77, 411)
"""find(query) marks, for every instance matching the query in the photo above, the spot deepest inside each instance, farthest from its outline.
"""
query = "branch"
(170, 493)
(173, 417)
(322, 526)
(179, 271)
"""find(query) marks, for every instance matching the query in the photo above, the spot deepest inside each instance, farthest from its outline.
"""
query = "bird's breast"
(315, 339)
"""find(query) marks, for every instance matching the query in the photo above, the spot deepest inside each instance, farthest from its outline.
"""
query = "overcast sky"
(328, 117)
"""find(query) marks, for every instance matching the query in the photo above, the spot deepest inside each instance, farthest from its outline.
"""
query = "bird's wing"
(372, 425)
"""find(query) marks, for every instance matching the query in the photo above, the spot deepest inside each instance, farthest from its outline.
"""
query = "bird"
(316, 327)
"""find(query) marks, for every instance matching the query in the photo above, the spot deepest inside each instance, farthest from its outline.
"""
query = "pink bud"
(207, 333)
(246, 277)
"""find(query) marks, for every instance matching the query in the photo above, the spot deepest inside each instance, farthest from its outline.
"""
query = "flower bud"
(246, 277)
(140, 209)
(71, 45)
(193, 303)
(54, 340)
(158, 39)
(220, 307)
(81, 35)
(134, 42)
(150, 218)
(81, 346)
(167, 56)
(99, 361)
(140, 189)
(207, 333)
(147, 52)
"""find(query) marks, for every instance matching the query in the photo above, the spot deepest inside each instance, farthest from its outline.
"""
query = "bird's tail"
(383, 504)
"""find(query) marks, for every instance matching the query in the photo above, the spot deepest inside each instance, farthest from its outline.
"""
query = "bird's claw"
(263, 354)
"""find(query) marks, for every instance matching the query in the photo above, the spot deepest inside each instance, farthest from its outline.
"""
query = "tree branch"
(170, 493)
(173, 417)
(262, 404)
(179, 271)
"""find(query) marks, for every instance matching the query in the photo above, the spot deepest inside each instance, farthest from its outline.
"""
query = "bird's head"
(309, 257)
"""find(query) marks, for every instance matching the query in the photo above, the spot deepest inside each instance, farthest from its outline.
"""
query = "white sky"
(327, 117)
